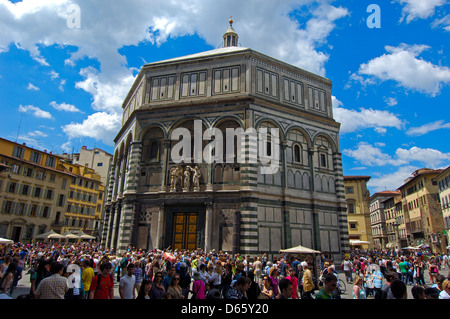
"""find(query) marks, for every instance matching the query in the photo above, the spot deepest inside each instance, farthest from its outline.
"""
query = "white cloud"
(391, 101)
(108, 93)
(37, 134)
(370, 155)
(32, 87)
(419, 9)
(266, 27)
(65, 107)
(101, 126)
(37, 112)
(391, 181)
(443, 23)
(430, 157)
(402, 65)
(352, 120)
(426, 128)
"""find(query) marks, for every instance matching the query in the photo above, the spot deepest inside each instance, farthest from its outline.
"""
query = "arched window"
(297, 153)
(154, 150)
(151, 145)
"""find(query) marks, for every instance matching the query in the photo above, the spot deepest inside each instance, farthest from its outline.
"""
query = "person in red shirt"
(102, 285)
(294, 281)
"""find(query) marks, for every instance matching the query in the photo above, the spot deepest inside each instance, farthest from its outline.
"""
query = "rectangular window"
(35, 157)
(37, 192)
(323, 160)
(293, 91)
(25, 190)
(267, 83)
(28, 172)
(349, 190)
(18, 152)
(51, 161)
(351, 208)
(15, 169)
(12, 188)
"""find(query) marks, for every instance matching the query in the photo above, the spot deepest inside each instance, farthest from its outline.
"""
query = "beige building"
(378, 219)
(95, 158)
(443, 183)
(85, 196)
(41, 191)
(358, 215)
(397, 235)
(32, 192)
(422, 210)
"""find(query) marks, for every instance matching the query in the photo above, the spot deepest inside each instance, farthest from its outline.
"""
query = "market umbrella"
(6, 241)
(83, 235)
(358, 242)
(68, 234)
(300, 250)
(47, 235)
(55, 236)
(411, 248)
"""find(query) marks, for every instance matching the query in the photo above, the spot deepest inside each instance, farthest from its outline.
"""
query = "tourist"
(239, 289)
(347, 268)
(127, 284)
(158, 291)
(418, 292)
(8, 278)
(273, 275)
(174, 290)
(285, 287)
(102, 285)
(55, 286)
(145, 289)
(358, 291)
(294, 281)
(138, 274)
(445, 293)
(329, 286)
(87, 274)
(307, 281)
(198, 287)
(398, 289)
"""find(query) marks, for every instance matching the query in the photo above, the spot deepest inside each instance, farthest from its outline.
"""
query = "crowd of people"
(86, 271)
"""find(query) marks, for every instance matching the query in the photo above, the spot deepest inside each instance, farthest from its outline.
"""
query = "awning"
(300, 250)
(359, 242)
(50, 234)
(68, 234)
(6, 241)
(83, 235)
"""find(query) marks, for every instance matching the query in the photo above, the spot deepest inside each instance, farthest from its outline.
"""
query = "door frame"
(170, 214)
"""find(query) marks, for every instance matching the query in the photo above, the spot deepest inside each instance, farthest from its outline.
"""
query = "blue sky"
(66, 66)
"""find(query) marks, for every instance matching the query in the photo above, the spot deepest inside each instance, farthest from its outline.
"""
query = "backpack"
(124, 263)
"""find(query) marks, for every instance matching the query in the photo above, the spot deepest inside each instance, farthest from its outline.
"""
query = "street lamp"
(395, 225)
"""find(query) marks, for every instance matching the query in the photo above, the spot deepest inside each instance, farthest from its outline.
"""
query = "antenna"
(18, 128)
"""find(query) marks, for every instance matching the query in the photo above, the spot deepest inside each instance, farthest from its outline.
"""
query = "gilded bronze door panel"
(185, 231)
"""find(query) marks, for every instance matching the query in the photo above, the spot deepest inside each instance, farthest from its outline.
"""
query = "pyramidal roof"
(215, 52)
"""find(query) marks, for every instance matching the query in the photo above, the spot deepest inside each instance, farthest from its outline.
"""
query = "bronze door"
(185, 231)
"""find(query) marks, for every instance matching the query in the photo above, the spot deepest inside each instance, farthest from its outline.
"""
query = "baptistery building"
(227, 149)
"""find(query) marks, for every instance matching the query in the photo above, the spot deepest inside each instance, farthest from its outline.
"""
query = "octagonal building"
(154, 201)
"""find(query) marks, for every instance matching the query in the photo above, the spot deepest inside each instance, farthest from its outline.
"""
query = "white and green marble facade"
(230, 87)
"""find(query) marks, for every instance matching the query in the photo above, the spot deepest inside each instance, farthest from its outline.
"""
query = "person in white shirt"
(445, 293)
(126, 284)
